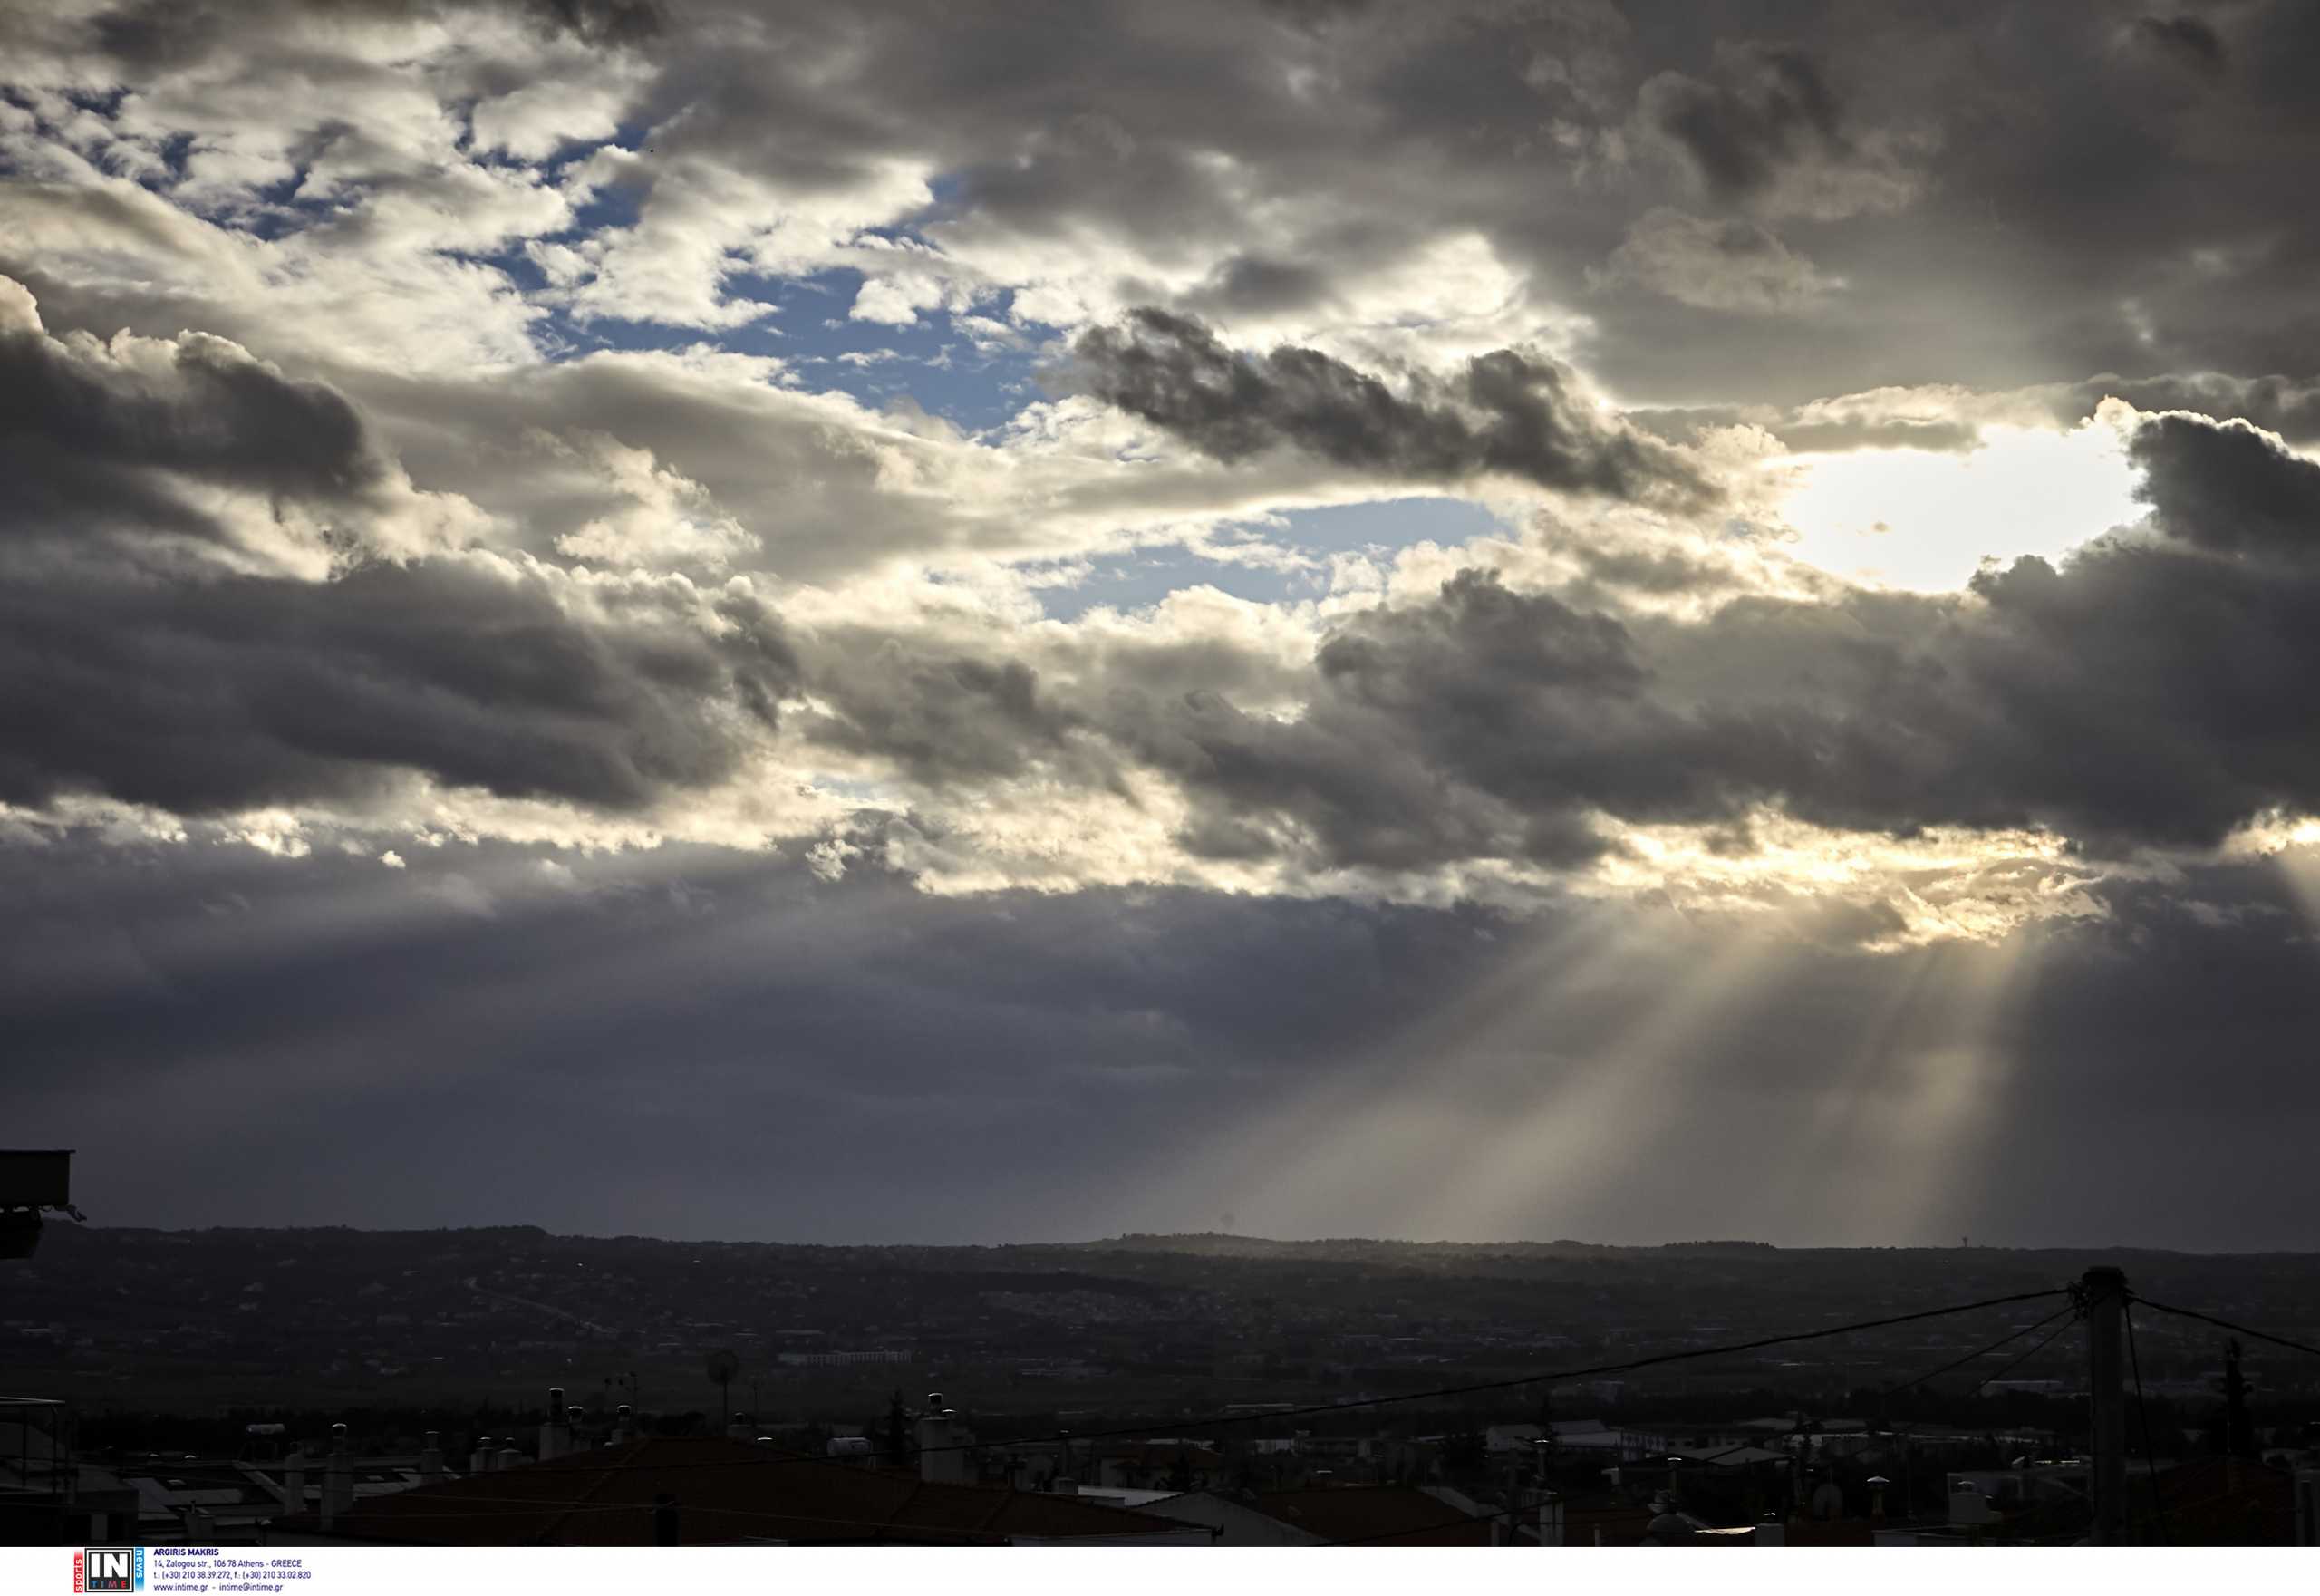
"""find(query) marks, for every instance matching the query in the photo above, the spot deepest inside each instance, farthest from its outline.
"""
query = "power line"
(2011, 1335)
(2026, 1356)
(2143, 1413)
(2239, 1329)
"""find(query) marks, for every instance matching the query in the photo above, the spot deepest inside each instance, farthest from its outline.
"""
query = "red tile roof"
(726, 1491)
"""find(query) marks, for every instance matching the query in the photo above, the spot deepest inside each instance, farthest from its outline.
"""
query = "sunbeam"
(1586, 1119)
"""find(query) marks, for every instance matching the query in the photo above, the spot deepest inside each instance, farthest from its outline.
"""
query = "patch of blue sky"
(972, 379)
(610, 208)
(175, 150)
(932, 363)
(1139, 578)
(1384, 525)
(1142, 577)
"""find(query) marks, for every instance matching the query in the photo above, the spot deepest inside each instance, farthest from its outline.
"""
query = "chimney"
(294, 1479)
(942, 1444)
(572, 1417)
(509, 1457)
(431, 1458)
(741, 1428)
(555, 1442)
(624, 1424)
(338, 1482)
(479, 1460)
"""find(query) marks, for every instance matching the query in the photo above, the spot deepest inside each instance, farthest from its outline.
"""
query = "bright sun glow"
(1907, 517)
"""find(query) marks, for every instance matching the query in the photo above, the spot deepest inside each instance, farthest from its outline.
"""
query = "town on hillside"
(508, 1386)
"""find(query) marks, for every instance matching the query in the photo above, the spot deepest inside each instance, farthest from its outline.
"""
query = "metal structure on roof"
(33, 1182)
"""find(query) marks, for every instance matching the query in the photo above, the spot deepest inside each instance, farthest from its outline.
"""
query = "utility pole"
(2106, 1297)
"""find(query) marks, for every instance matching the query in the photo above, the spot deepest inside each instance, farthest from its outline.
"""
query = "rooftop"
(1385, 1515)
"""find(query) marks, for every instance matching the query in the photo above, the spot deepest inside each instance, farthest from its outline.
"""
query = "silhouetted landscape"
(194, 1321)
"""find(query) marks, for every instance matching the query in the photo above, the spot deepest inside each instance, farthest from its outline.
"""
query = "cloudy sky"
(1526, 618)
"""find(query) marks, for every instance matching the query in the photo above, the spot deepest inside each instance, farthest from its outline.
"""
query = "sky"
(1509, 618)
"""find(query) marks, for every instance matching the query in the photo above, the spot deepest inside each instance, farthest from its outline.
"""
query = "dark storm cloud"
(1473, 726)
(215, 693)
(1506, 412)
(205, 409)
(1482, 724)
(2229, 487)
(199, 684)
(91, 438)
